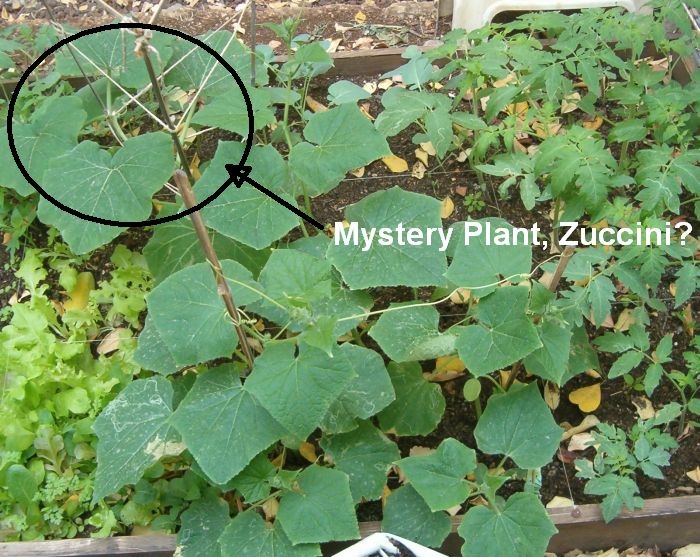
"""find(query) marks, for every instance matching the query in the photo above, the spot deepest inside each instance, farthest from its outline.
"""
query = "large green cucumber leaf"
(246, 214)
(153, 352)
(134, 432)
(412, 333)
(229, 112)
(197, 64)
(365, 454)
(119, 187)
(369, 392)
(298, 390)
(419, 404)
(254, 481)
(52, 132)
(174, 246)
(113, 52)
(306, 293)
(520, 425)
(320, 509)
(406, 514)
(478, 266)
(551, 361)
(439, 477)
(391, 265)
(188, 322)
(337, 141)
(401, 109)
(521, 528)
(504, 334)
(249, 536)
(220, 412)
(202, 525)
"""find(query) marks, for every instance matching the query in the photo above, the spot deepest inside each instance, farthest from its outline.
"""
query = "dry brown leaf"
(452, 511)
(314, 105)
(358, 172)
(504, 375)
(463, 155)
(559, 502)
(587, 423)
(570, 103)
(543, 132)
(364, 108)
(625, 320)
(692, 550)
(593, 124)
(418, 170)
(593, 373)
(580, 441)
(360, 17)
(422, 156)
(78, 298)
(460, 296)
(519, 109)
(112, 340)
(342, 28)
(505, 81)
(551, 395)
(672, 288)
(363, 43)
(333, 46)
(694, 474)
(270, 508)
(273, 44)
(308, 451)
(644, 407)
(384, 84)
(586, 398)
(461, 190)
(395, 164)
(448, 207)
(370, 87)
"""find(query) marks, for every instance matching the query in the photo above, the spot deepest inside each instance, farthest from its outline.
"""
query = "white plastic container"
(380, 543)
(472, 14)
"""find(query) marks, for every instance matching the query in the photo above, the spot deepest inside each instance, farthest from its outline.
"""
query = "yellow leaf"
(448, 207)
(428, 148)
(194, 167)
(559, 502)
(395, 164)
(519, 109)
(308, 451)
(360, 17)
(78, 298)
(625, 320)
(6, 238)
(504, 375)
(570, 103)
(694, 474)
(505, 81)
(586, 398)
(422, 156)
(593, 124)
(314, 105)
(449, 363)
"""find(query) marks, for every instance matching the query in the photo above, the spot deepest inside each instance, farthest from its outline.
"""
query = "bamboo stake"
(183, 185)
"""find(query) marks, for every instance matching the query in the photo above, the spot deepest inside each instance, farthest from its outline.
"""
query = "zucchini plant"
(287, 408)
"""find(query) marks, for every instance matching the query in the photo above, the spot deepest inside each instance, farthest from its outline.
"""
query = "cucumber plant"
(283, 410)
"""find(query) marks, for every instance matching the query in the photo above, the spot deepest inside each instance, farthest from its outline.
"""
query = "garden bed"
(450, 180)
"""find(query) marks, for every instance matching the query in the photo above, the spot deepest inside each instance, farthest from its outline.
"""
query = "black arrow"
(240, 174)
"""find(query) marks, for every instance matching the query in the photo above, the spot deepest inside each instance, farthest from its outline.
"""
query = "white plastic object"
(472, 14)
(381, 543)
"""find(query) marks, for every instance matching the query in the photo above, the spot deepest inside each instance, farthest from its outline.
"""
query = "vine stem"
(183, 185)
(142, 50)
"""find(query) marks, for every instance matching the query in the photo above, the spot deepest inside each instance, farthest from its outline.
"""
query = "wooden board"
(666, 523)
